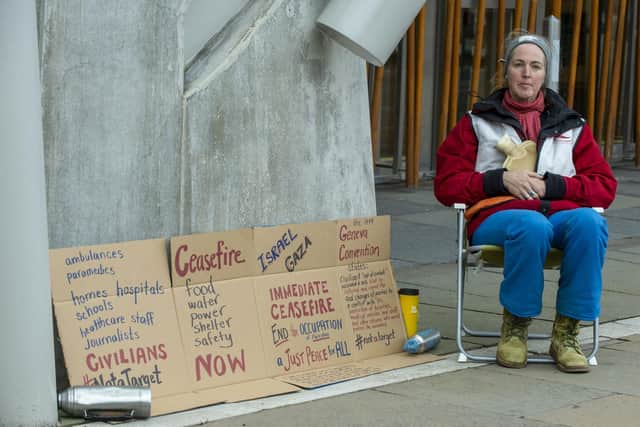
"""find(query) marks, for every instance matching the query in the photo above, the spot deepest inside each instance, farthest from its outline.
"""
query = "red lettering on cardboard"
(133, 355)
(185, 263)
(217, 365)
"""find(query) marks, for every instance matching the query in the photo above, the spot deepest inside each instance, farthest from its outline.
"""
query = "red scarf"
(527, 113)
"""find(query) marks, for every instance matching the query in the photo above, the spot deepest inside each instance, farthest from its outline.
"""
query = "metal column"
(27, 372)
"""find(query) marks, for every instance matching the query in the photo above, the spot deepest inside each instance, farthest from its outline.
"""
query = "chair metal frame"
(491, 256)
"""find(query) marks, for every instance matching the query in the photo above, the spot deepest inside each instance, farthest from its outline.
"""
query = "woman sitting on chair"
(529, 211)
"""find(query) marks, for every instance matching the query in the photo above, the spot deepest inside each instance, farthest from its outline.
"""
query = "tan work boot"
(512, 347)
(564, 348)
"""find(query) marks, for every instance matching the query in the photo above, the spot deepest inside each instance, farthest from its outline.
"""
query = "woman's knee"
(588, 221)
(531, 225)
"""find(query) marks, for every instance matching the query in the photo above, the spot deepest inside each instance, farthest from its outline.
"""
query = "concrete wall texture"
(204, 18)
(269, 125)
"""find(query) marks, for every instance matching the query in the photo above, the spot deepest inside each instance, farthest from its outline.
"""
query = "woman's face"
(526, 72)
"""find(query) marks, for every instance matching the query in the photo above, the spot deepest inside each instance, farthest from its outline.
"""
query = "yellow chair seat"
(493, 256)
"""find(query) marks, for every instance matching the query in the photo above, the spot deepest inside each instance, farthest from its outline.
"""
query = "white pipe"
(27, 368)
(553, 34)
(369, 28)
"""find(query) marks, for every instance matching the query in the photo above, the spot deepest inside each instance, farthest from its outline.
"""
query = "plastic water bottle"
(422, 341)
(106, 402)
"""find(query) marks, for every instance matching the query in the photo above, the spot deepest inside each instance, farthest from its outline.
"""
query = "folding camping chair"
(493, 256)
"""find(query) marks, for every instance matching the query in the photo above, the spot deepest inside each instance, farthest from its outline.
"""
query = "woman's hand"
(524, 185)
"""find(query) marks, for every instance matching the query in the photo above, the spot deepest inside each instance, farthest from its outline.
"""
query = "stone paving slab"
(420, 243)
(630, 244)
(624, 255)
(423, 194)
(615, 410)
(617, 329)
(633, 338)
(622, 277)
(617, 305)
(442, 276)
(620, 228)
(631, 250)
(631, 346)
(498, 391)
(442, 218)
(611, 374)
(631, 213)
(373, 408)
(628, 188)
(400, 207)
(622, 201)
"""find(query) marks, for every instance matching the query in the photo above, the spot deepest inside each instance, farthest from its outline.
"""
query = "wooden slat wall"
(615, 80)
(637, 160)
(575, 43)
(477, 52)
(593, 63)
(604, 71)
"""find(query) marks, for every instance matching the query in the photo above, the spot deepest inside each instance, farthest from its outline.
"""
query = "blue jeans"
(527, 236)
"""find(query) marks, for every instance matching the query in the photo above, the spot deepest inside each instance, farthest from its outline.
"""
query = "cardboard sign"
(221, 333)
(334, 374)
(363, 240)
(135, 269)
(303, 321)
(295, 247)
(245, 391)
(371, 300)
(116, 316)
(200, 258)
(325, 376)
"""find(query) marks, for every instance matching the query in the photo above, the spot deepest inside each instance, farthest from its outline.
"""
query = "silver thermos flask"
(106, 402)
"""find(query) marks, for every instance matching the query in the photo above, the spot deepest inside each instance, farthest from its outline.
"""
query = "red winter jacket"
(457, 181)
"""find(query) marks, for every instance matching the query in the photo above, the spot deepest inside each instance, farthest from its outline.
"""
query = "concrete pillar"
(27, 373)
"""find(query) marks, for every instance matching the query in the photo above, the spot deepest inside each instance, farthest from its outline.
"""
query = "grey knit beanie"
(512, 42)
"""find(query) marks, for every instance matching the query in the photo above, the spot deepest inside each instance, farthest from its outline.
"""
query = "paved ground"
(448, 393)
